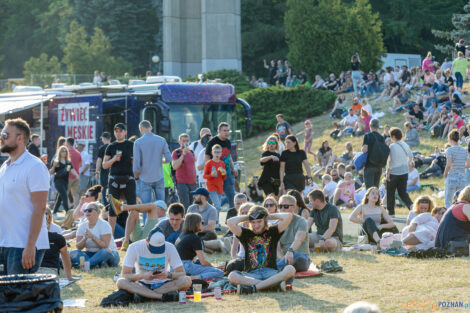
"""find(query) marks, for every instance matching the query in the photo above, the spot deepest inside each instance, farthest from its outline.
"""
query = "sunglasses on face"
(6, 135)
(272, 142)
(88, 195)
(88, 210)
(285, 206)
(269, 205)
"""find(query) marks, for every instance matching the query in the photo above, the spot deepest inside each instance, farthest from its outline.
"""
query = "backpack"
(378, 152)
(117, 298)
(360, 161)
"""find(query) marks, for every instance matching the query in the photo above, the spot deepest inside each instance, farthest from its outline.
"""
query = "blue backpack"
(360, 161)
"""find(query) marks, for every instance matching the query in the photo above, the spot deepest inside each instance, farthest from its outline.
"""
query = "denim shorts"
(260, 273)
(154, 286)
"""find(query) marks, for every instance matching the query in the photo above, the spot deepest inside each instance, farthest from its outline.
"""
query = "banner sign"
(75, 117)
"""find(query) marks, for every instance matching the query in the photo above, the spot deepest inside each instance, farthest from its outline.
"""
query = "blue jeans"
(412, 188)
(10, 258)
(452, 184)
(260, 273)
(356, 78)
(459, 78)
(118, 231)
(148, 190)
(204, 272)
(229, 189)
(95, 258)
(301, 262)
(216, 199)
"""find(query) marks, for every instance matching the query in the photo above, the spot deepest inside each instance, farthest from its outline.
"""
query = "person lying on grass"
(260, 242)
(153, 259)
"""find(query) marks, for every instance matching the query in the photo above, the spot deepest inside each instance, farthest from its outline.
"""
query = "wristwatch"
(290, 250)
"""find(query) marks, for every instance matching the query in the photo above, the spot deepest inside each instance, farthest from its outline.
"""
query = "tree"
(461, 30)
(76, 51)
(322, 35)
(41, 65)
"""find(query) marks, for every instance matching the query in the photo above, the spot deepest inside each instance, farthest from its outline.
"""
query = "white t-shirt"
(198, 149)
(349, 120)
(368, 108)
(17, 181)
(329, 189)
(139, 257)
(54, 228)
(412, 175)
(387, 77)
(309, 188)
(200, 161)
(101, 228)
(86, 160)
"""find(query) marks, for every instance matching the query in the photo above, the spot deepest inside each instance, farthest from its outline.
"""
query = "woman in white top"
(421, 233)
(422, 204)
(237, 263)
(95, 237)
(397, 170)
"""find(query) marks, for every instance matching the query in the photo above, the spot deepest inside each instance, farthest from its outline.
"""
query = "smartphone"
(156, 272)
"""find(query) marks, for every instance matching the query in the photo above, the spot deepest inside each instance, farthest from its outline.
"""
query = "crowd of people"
(269, 234)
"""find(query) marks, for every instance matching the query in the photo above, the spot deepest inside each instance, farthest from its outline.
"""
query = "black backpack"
(377, 153)
(117, 298)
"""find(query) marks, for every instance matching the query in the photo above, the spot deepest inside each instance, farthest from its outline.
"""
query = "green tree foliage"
(461, 30)
(84, 56)
(262, 34)
(296, 104)
(131, 27)
(42, 65)
(322, 35)
(407, 24)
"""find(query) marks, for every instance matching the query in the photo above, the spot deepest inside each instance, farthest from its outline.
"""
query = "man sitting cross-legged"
(260, 243)
(153, 258)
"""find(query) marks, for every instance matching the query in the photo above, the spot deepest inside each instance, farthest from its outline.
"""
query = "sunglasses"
(269, 205)
(256, 216)
(6, 135)
(88, 210)
(88, 196)
(285, 206)
(272, 143)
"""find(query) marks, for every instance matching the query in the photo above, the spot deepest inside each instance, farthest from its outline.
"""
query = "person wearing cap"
(159, 273)
(207, 211)
(102, 174)
(118, 158)
(184, 165)
(260, 242)
(156, 213)
(189, 246)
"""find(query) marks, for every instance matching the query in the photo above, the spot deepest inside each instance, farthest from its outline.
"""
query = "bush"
(227, 76)
(296, 104)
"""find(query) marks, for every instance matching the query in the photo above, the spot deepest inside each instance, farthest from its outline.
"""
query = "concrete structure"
(400, 59)
(201, 36)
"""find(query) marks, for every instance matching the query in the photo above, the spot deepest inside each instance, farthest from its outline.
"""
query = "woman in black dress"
(61, 166)
(269, 180)
(290, 170)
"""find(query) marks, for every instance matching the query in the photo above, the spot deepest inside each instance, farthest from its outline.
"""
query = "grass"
(387, 281)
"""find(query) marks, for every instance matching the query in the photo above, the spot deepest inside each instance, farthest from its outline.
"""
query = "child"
(214, 173)
(308, 133)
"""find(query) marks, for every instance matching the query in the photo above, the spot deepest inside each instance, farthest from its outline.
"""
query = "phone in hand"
(156, 272)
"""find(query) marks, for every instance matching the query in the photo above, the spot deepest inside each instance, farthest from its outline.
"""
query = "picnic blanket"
(313, 270)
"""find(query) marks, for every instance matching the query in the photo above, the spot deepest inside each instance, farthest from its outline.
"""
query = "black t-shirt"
(101, 153)
(449, 81)
(61, 171)
(405, 76)
(303, 78)
(231, 213)
(270, 168)
(34, 150)
(460, 48)
(260, 249)
(419, 115)
(123, 167)
(51, 257)
(322, 220)
(355, 65)
(323, 151)
(272, 72)
(187, 245)
(254, 194)
(370, 139)
(226, 146)
(293, 161)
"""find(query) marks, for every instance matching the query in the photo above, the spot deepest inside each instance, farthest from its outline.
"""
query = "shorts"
(259, 273)
(315, 238)
(153, 286)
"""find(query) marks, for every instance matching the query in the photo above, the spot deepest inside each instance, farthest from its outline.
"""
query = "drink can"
(82, 262)
(218, 293)
(373, 249)
(182, 297)
(87, 266)
(356, 246)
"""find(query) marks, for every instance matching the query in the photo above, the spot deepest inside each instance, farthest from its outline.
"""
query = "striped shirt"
(458, 155)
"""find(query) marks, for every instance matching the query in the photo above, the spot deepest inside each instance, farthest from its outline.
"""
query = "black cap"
(201, 191)
(106, 135)
(121, 126)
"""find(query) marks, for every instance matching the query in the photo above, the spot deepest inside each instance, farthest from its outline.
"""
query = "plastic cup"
(197, 288)
(87, 266)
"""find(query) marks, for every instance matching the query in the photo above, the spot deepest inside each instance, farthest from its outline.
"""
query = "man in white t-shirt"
(153, 259)
(85, 168)
(329, 186)
(24, 185)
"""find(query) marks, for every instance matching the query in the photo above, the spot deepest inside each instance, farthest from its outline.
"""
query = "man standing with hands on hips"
(118, 158)
(24, 185)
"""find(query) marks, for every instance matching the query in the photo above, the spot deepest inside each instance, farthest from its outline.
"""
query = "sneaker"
(282, 286)
(116, 205)
(170, 296)
(245, 290)
(326, 266)
(336, 267)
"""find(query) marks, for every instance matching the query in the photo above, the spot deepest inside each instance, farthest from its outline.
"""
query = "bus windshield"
(190, 118)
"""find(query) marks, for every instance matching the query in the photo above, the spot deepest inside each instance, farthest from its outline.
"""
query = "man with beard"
(207, 211)
(24, 185)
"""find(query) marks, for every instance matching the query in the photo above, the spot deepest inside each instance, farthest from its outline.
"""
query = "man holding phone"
(159, 272)
(183, 162)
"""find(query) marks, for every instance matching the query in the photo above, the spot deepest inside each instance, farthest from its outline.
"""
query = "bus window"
(152, 115)
(186, 118)
(218, 113)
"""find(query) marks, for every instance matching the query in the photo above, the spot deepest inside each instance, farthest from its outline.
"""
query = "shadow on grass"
(293, 299)
(72, 291)
(332, 280)
(157, 306)
(365, 256)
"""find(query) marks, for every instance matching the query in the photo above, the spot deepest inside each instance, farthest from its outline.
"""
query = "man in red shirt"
(183, 162)
(74, 181)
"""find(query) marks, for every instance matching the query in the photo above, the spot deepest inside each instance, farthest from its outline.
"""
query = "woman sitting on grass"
(422, 204)
(190, 246)
(370, 215)
(301, 207)
(421, 233)
(95, 237)
(362, 125)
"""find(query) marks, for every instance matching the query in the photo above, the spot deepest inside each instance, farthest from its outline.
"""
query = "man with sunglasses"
(260, 242)
(293, 245)
(24, 185)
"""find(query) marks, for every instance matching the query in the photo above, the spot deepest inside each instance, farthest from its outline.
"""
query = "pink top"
(457, 211)
(427, 65)
(347, 192)
(366, 120)
(429, 79)
(460, 123)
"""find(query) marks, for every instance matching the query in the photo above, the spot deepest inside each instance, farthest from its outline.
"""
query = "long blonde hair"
(59, 150)
(271, 138)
